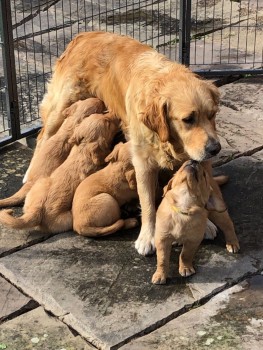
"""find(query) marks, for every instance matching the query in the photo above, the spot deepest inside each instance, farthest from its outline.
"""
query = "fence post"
(6, 33)
(185, 31)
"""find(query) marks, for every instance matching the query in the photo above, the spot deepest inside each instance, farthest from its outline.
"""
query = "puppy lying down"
(182, 216)
(57, 148)
(97, 200)
(48, 203)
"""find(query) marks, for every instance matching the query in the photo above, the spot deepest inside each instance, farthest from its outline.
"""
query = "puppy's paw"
(130, 223)
(210, 231)
(145, 244)
(158, 278)
(186, 271)
(233, 247)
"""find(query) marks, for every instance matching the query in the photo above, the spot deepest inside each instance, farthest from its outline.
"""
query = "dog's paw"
(211, 230)
(145, 245)
(130, 223)
(233, 247)
(158, 278)
(186, 271)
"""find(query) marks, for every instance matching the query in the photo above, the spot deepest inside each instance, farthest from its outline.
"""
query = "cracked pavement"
(69, 292)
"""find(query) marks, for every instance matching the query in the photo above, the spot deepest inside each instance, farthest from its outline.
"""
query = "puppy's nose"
(212, 147)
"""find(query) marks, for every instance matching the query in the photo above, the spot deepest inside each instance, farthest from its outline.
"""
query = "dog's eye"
(190, 119)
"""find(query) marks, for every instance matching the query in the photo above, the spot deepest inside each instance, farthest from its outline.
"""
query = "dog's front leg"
(146, 184)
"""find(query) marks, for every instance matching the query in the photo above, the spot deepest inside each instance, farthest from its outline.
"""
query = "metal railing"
(215, 37)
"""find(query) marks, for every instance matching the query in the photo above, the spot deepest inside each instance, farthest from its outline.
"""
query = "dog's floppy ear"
(113, 156)
(155, 118)
(131, 179)
(215, 203)
(168, 187)
(70, 110)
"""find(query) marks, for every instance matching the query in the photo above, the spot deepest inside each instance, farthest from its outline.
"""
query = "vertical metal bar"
(185, 32)
(9, 67)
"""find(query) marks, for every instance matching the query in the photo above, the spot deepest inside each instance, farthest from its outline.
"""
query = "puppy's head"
(191, 186)
(97, 127)
(183, 112)
(120, 153)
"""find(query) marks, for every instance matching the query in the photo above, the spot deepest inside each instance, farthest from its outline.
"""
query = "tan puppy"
(97, 201)
(48, 203)
(57, 148)
(166, 110)
(182, 216)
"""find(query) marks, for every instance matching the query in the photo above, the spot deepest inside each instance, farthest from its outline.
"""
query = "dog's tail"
(16, 198)
(221, 179)
(99, 231)
(28, 220)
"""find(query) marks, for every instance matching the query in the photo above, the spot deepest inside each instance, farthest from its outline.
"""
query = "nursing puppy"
(182, 216)
(166, 111)
(56, 149)
(48, 203)
(97, 201)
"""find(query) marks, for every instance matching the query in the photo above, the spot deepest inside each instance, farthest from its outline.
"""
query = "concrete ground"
(65, 292)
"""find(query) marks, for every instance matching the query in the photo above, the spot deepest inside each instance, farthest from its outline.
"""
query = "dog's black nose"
(212, 147)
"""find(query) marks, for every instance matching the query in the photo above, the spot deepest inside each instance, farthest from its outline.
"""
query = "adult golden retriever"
(167, 112)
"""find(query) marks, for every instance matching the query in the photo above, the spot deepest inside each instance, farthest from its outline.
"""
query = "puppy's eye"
(190, 120)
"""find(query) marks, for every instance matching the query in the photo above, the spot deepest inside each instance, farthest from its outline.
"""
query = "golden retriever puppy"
(48, 203)
(166, 111)
(97, 201)
(182, 216)
(56, 148)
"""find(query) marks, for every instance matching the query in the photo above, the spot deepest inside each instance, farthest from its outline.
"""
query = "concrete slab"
(12, 301)
(240, 121)
(37, 330)
(231, 320)
(102, 288)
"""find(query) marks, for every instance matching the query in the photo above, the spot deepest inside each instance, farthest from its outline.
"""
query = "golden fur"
(56, 149)
(97, 201)
(48, 203)
(166, 111)
(182, 217)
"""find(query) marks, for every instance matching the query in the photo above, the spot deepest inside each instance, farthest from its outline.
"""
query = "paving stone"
(12, 300)
(232, 320)
(102, 288)
(14, 162)
(240, 119)
(37, 330)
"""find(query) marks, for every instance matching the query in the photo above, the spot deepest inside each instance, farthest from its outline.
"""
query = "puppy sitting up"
(182, 216)
(48, 203)
(56, 149)
(96, 204)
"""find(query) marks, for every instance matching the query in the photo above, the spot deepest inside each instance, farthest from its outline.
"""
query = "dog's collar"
(179, 211)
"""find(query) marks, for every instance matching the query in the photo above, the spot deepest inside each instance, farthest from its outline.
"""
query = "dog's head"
(100, 128)
(191, 186)
(182, 111)
(120, 153)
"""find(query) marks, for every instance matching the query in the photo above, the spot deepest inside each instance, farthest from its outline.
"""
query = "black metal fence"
(212, 36)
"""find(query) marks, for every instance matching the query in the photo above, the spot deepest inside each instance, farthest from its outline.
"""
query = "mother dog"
(167, 112)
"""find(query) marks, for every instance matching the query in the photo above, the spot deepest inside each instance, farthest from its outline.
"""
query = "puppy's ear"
(70, 110)
(113, 156)
(168, 187)
(215, 203)
(130, 177)
(155, 118)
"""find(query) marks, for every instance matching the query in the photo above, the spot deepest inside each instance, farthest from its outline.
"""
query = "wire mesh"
(224, 34)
